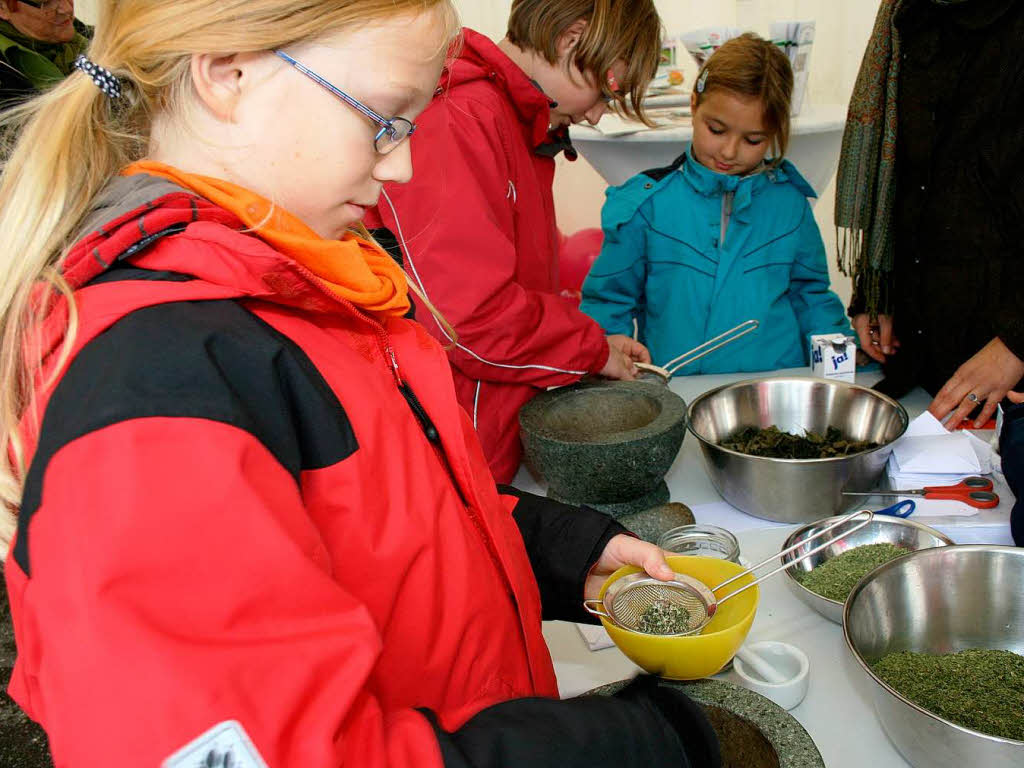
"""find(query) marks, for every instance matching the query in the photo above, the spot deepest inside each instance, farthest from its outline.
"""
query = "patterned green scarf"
(866, 184)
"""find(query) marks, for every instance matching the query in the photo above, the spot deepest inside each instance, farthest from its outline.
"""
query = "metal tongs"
(666, 372)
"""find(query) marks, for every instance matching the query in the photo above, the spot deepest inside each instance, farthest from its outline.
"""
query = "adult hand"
(876, 339)
(1016, 397)
(623, 352)
(626, 550)
(985, 378)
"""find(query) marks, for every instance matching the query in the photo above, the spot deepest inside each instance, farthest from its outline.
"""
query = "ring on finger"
(972, 397)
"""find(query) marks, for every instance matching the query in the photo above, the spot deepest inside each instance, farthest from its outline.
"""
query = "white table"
(815, 139)
(838, 711)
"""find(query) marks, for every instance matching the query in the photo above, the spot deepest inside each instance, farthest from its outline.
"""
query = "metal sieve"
(627, 600)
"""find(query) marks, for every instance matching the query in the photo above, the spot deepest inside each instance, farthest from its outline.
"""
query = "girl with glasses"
(253, 527)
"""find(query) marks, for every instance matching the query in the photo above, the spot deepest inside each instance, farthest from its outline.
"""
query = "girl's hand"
(623, 352)
(626, 550)
(987, 376)
(877, 341)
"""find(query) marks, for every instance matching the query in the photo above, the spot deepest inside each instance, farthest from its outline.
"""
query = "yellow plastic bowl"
(696, 656)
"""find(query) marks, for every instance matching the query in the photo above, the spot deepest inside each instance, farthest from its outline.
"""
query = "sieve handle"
(787, 550)
(596, 607)
(695, 354)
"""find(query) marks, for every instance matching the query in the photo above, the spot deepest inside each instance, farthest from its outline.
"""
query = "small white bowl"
(789, 661)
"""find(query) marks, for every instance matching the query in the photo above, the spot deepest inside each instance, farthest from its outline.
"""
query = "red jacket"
(239, 510)
(477, 226)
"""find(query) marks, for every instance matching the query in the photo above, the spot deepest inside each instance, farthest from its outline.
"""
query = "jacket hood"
(481, 59)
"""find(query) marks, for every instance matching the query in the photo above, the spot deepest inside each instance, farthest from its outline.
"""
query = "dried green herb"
(663, 618)
(773, 443)
(979, 689)
(835, 578)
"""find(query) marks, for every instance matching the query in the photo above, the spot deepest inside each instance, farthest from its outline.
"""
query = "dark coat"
(959, 213)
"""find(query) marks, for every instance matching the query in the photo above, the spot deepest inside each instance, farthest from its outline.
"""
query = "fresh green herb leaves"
(836, 577)
(979, 689)
(664, 618)
(776, 444)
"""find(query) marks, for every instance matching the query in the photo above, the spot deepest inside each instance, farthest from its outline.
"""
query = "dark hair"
(752, 66)
(617, 30)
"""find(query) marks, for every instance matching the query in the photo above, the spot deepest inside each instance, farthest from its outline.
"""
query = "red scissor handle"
(977, 499)
(965, 486)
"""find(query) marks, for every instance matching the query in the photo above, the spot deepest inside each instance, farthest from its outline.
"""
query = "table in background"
(838, 712)
(814, 142)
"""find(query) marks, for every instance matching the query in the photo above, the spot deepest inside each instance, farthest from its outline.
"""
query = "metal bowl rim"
(871, 673)
(619, 437)
(705, 441)
(791, 540)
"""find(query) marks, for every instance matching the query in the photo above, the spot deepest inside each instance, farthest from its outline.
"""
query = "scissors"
(973, 491)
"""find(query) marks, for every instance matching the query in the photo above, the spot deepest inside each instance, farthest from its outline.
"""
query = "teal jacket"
(689, 253)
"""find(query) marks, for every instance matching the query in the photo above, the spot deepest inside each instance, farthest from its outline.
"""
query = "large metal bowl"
(940, 600)
(881, 530)
(795, 490)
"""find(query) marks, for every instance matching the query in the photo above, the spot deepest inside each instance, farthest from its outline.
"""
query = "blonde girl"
(254, 527)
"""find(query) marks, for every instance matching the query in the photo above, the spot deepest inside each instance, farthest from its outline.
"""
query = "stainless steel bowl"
(882, 530)
(795, 490)
(940, 600)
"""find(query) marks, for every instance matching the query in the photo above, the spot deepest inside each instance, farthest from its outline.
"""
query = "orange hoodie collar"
(353, 268)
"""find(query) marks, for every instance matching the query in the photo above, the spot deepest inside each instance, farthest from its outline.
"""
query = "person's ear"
(694, 99)
(220, 80)
(571, 37)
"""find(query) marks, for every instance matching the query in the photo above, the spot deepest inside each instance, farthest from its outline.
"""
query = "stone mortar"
(776, 739)
(604, 443)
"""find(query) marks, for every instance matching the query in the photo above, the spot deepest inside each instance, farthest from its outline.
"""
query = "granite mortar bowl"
(753, 731)
(795, 490)
(907, 534)
(938, 601)
(603, 442)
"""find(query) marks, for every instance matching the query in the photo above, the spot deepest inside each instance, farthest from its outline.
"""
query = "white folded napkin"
(929, 455)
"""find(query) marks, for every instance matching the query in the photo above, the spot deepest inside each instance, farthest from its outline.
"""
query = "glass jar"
(705, 540)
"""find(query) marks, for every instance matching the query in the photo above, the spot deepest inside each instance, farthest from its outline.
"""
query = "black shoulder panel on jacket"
(205, 360)
(660, 173)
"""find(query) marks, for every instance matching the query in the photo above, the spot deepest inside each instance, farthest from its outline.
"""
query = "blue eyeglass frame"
(388, 125)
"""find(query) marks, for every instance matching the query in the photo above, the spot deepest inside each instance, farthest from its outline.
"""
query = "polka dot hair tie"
(104, 78)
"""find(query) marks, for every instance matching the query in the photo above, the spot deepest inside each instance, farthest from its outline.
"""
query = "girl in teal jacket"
(720, 236)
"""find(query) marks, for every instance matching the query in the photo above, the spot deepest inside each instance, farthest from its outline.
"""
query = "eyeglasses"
(392, 131)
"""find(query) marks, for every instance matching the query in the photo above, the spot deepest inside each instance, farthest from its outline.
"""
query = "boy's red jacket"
(250, 502)
(477, 230)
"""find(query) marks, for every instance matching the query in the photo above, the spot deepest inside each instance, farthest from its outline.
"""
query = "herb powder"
(663, 618)
(835, 578)
(978, 689)
(773, 443)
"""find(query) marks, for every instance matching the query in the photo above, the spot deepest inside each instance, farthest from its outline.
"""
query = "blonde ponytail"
(63, 147)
